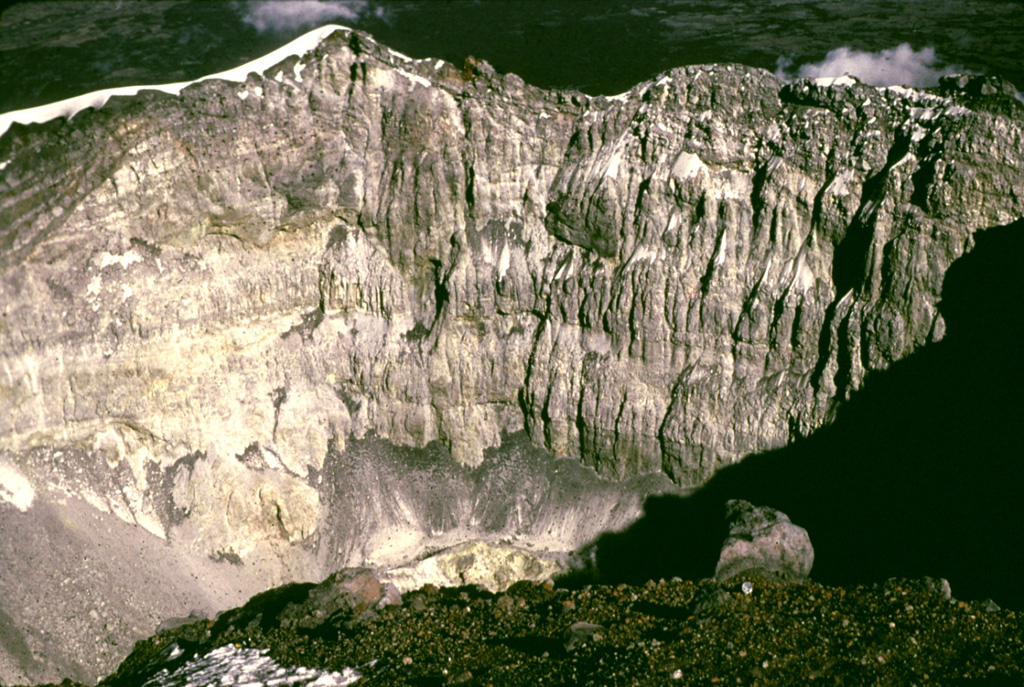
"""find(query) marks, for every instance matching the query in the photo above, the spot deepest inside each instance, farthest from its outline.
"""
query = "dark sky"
(52, 50)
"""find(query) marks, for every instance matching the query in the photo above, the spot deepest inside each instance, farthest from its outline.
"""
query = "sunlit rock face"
(738, 254)
(209, 301)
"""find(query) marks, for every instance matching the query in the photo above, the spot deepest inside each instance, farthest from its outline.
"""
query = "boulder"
(763, 541)
(346, 592)
(493, 566)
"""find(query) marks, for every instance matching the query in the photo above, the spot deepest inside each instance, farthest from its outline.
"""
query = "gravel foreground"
(901, 632)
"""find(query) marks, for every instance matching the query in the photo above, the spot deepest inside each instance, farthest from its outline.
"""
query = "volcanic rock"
(211, 302)
(494, 567)
(763, 541)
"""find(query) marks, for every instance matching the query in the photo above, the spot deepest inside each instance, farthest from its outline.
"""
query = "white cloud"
(899, 66)
(296, 15)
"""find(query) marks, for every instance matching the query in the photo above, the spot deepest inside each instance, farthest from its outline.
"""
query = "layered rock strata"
(356, 241)
(205, 297)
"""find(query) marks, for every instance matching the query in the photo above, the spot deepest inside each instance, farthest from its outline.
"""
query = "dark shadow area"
(920, 474)
(993, 681)
(427, 681)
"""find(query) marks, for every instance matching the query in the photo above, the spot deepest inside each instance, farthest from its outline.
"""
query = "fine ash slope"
(208, 301)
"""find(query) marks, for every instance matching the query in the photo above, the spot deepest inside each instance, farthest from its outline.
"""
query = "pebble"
(582, 633)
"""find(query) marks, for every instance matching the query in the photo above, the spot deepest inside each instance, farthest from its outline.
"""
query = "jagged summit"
(211, 300)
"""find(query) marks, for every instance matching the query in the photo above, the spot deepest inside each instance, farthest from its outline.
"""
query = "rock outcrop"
(206, 297)
(494, 567)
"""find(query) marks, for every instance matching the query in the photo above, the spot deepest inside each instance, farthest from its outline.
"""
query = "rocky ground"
(752, 631)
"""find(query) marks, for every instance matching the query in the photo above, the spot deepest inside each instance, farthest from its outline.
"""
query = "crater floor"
(677, 632)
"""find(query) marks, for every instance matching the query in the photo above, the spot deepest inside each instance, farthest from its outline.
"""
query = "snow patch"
(15, 489)
(97, 99)
(493, 566)
(4, 164)
(242, 95)
(108, 259)
(415, 78)
(297, 69)
(438, 65)
(402, 57)
(952, 110)
(612, 171)
(804, 279)
(687, 166)
(93, 289)
(503, 261)
(901, 91)
(720, 255)
(232, 665)
(566, 270)
(829, 81)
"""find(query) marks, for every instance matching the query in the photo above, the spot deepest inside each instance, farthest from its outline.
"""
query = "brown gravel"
(902, 632)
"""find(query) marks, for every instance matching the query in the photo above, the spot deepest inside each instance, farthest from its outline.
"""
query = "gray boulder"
(763, 541)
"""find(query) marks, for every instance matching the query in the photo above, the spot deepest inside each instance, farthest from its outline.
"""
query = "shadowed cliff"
(919, 475)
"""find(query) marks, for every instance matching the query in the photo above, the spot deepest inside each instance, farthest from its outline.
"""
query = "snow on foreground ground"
(231, 665)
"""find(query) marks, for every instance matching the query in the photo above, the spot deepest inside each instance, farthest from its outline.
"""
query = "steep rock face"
(743, 253)
(662, 281)
(205, 298)
(237, 278)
